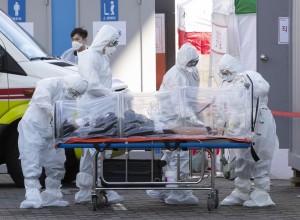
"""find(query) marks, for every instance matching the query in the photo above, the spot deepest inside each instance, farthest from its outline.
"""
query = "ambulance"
(22, 63)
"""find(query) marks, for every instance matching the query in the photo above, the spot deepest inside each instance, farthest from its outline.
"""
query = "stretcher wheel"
(209, 203)
(99, 200)
(213, 200)
(94, 202)
(217, 199)
(103, 198)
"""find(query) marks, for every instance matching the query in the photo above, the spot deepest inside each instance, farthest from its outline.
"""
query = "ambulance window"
(9, 65)
(20, 38)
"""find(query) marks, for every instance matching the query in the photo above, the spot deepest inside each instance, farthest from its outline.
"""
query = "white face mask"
(110, 50)
(191, 69)
(76, 45)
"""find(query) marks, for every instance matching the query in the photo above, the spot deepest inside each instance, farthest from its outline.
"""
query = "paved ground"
(138, 205)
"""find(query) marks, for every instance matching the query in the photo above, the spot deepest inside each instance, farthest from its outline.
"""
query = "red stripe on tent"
(217, 52)
(218, 25)
(286, 114)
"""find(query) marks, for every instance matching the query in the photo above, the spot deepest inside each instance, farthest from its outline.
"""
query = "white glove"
(195, 121)
(82, 122)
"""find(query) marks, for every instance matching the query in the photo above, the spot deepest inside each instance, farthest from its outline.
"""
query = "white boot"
(84, 182)
(184, 197)
(113, 197)
(52, 196)
(32, 195)
(235, 198)
(159, 194)
(240, 194)
(259, 198)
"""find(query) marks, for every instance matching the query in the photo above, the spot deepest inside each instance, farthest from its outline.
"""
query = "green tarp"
(245, 6)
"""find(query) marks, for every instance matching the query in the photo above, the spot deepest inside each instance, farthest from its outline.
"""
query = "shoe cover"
(232, 200)
(235, 198)
(84, 182)
(183, 197)
(83, 196)
(53, 197)
(113, 197)
(259, 198)
(32, 199)
(159, 194)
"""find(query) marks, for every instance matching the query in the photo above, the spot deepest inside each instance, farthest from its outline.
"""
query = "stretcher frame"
(99, 198)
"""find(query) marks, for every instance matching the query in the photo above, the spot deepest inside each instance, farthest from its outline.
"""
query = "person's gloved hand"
(195, 121)
(80, 122)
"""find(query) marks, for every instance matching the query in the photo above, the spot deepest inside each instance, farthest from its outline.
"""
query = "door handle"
(263, 57)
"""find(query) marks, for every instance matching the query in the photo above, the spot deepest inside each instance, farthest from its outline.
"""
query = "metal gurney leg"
(98, 199)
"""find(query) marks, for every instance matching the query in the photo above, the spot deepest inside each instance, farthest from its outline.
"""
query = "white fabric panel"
(180, 16)
(195, 15)
(225, 7)
(224, 40)
(233, 47)
(246, 24)
(218, 44)
(219, 34)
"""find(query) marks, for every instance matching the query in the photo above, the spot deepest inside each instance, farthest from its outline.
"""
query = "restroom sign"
(109, 10)
(16, 10)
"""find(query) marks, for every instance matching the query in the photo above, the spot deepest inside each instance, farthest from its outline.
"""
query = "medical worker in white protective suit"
(36, 140)
(183, 73)
(265, 140)
(95, 64)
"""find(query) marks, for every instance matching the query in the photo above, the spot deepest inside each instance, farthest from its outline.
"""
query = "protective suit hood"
(229, 63)
(105, 35)
(185, 54)
(76, 82)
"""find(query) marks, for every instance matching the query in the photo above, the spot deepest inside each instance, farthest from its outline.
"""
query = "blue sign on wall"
(109, 10)
(17, 10)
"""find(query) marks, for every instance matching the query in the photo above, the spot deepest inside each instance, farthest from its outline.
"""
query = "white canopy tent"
(194, 24)
(233, 32)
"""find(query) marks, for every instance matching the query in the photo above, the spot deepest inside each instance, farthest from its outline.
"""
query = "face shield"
(113, 43)
(226, 75)
(111, 47)
(75, 86)
(192, 63)
(72, 94)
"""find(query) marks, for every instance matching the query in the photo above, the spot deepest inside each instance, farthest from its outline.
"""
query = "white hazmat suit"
(264, 138)
(36, 140)
(183, 73)
(94, 63)
(70, 55)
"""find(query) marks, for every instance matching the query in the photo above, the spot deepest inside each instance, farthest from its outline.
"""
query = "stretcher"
(172, 144)
(184, 119)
